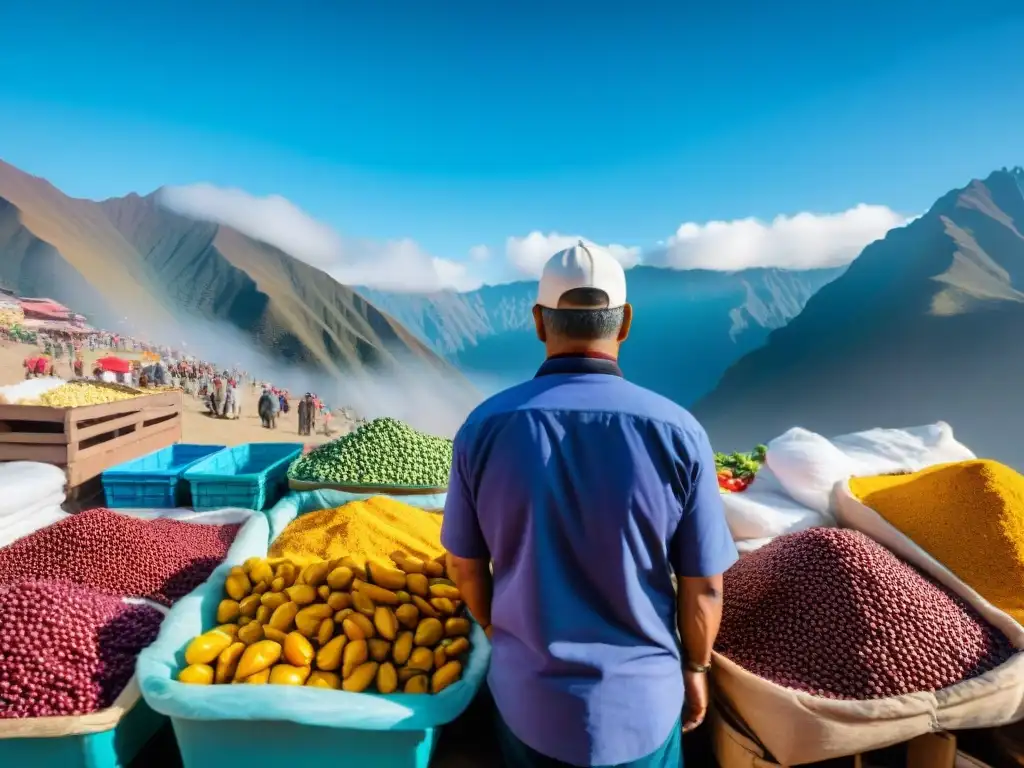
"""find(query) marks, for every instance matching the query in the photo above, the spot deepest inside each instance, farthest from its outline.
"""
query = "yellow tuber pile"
(338, 624)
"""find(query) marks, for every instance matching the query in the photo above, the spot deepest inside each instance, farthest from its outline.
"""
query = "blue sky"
(448, 125)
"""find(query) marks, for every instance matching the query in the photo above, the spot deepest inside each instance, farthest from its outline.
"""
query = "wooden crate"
(86, 441)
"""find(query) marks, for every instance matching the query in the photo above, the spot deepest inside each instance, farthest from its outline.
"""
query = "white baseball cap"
(582, 266)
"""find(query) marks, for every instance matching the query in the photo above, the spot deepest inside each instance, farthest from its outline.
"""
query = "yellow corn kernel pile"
(78, 393)
(373, 528)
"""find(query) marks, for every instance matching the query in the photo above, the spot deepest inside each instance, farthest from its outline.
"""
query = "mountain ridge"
(924, 326)
(714, 317)
(129, 256)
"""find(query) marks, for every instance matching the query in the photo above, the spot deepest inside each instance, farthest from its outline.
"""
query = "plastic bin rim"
(161, 473)
(192, 475)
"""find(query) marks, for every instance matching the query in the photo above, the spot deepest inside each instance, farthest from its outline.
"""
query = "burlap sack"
(733, 747)
(798, 728)
(74, 725)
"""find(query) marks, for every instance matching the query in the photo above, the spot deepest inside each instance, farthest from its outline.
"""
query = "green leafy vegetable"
(741, 465)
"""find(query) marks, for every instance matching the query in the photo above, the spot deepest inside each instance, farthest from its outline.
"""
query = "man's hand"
(695, 707)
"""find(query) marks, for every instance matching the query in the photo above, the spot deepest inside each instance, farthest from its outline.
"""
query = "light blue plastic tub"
(251, 476)
(214, 744)
(268, 725)
(114, 748)
(154, 481)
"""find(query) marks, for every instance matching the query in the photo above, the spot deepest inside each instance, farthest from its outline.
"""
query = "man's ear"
(627, 322)
(538, 321)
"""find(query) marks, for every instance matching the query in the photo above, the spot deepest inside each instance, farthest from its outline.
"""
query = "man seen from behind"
(588, 494)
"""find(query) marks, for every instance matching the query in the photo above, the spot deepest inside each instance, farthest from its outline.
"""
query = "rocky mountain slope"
(926, 325)
(129, 264)
(689, 325)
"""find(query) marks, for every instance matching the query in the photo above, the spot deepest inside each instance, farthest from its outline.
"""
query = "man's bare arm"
(699, 615)
(473, 578)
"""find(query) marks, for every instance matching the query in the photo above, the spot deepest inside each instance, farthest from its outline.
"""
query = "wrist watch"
(692, 666)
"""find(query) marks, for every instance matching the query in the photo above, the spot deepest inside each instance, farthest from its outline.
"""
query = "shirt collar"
(580, 364)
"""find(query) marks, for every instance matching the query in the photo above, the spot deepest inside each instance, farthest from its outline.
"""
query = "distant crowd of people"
(218, 388)
(274, 401)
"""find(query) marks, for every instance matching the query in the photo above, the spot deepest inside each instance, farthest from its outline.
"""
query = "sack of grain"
(920, 686)
(967, 515)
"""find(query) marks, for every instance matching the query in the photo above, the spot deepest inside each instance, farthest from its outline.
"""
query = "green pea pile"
(384, 451)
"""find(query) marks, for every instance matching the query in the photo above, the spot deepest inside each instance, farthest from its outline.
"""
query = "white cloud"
(397, 265)
(803, 241)
(529, 254)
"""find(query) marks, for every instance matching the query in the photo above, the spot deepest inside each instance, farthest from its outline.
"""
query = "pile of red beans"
(830, 612)
(162, 560)
(66, 649)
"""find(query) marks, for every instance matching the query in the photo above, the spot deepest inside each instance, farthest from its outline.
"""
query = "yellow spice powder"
(968, 515)
(370, 529)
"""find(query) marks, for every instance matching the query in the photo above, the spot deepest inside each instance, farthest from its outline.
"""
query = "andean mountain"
(130, 257)
(689, 326)
(927, 324)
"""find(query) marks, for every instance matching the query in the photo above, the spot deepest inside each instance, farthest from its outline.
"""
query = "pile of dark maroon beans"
(830, 612)
(67, 650)
(161, 560)
(68, 641)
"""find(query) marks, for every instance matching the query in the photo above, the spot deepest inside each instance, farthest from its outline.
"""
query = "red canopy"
(114, 364)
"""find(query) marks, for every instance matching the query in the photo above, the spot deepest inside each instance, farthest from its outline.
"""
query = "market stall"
(114, 364)
(850, 624)
(87, 427)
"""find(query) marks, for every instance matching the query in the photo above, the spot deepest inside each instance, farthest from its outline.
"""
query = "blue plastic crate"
(251, 476)
(114, 748)
(155, 481)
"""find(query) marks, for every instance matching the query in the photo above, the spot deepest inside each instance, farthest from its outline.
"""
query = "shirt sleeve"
(702, 545)
(460, 530)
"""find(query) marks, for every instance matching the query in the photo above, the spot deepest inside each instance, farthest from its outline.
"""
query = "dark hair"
(583, 314)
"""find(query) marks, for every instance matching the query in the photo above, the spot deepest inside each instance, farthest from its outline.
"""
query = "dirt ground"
(197, 425)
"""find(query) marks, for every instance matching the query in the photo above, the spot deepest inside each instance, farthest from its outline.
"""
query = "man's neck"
(602, 351)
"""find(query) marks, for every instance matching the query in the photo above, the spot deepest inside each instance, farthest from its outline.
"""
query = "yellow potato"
(227, 611)
(387, 678)
(318, 679)
(196, 674)
(298, 651)
(328, 658)
(429, 633)
(360, 678)
(402, 648)
(379, 649)
(356, 652)
(227, 662)
(207, 647)
(288, 674)
(445, 676)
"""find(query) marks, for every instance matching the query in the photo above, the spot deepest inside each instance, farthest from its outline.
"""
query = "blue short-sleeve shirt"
(587, 492)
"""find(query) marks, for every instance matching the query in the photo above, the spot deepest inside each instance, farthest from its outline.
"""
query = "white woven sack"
(798, 728)
(26, 484)
(809, 465)
(29, 389)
